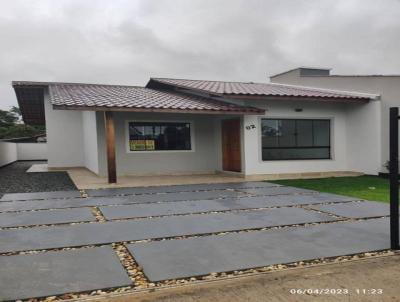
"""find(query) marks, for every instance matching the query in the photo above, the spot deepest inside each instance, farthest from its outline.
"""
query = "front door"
(231, 154)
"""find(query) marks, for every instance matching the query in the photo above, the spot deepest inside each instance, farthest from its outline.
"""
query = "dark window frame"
(329, 147)
(155, 123)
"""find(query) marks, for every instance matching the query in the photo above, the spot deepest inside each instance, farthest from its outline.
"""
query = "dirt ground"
(376, 278)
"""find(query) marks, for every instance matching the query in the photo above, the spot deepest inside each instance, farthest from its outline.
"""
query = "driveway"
(58, 243)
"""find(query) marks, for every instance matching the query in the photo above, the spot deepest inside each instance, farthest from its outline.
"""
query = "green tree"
(16, 112)
(12, 127)
(7, 118)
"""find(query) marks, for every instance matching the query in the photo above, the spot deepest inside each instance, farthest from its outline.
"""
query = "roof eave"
(296, 98)
(32, 110)
(160, 110)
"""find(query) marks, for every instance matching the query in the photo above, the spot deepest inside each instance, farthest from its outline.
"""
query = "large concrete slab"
(237, 185)
(301, 199)
(362, 209)
(273, 200)
(178, 188)
(180, 207)
(112, 200)
(99, 233)
(55, 273)
(199, 206)
(61, 203)
(40, 195)
(200, 256)
(201, 195)
(277, 191)
(15, 219)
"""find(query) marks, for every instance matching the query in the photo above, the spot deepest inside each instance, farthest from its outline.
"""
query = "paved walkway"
(172, 232)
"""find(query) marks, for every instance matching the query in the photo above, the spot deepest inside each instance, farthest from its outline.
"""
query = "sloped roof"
(259, 89)
(117, 97)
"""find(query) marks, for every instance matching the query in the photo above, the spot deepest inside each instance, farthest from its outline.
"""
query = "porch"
(169, 146)
(86, 179)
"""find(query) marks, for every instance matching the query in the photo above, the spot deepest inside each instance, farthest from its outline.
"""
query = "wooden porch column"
(110, 143)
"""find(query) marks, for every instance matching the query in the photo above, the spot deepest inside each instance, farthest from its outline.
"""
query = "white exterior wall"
(364, 138)
(284, 109)
(205, 157)
(8, 153)
(386, 86)
(90, 145)
(31, 151)
(64, 137)
(11, 152)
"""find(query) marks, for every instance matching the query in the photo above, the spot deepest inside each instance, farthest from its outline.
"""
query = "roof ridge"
(197, 80)
(355, 93)
(364, 75)
(39, 83)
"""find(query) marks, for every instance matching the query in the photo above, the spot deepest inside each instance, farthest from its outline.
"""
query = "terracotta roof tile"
(132, 97)
(261, 89)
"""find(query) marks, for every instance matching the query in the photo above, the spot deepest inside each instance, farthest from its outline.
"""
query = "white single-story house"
(176, 126)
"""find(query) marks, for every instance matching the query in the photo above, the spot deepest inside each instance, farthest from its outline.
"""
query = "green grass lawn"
(365, 187)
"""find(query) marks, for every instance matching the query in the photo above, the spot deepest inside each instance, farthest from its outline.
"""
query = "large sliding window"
(159, 136)
(285, 139)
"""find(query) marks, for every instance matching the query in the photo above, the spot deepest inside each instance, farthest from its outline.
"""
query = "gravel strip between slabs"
(14, 179)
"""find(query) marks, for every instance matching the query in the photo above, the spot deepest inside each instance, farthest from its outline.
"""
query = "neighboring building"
(387, 86)
(175, 126)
